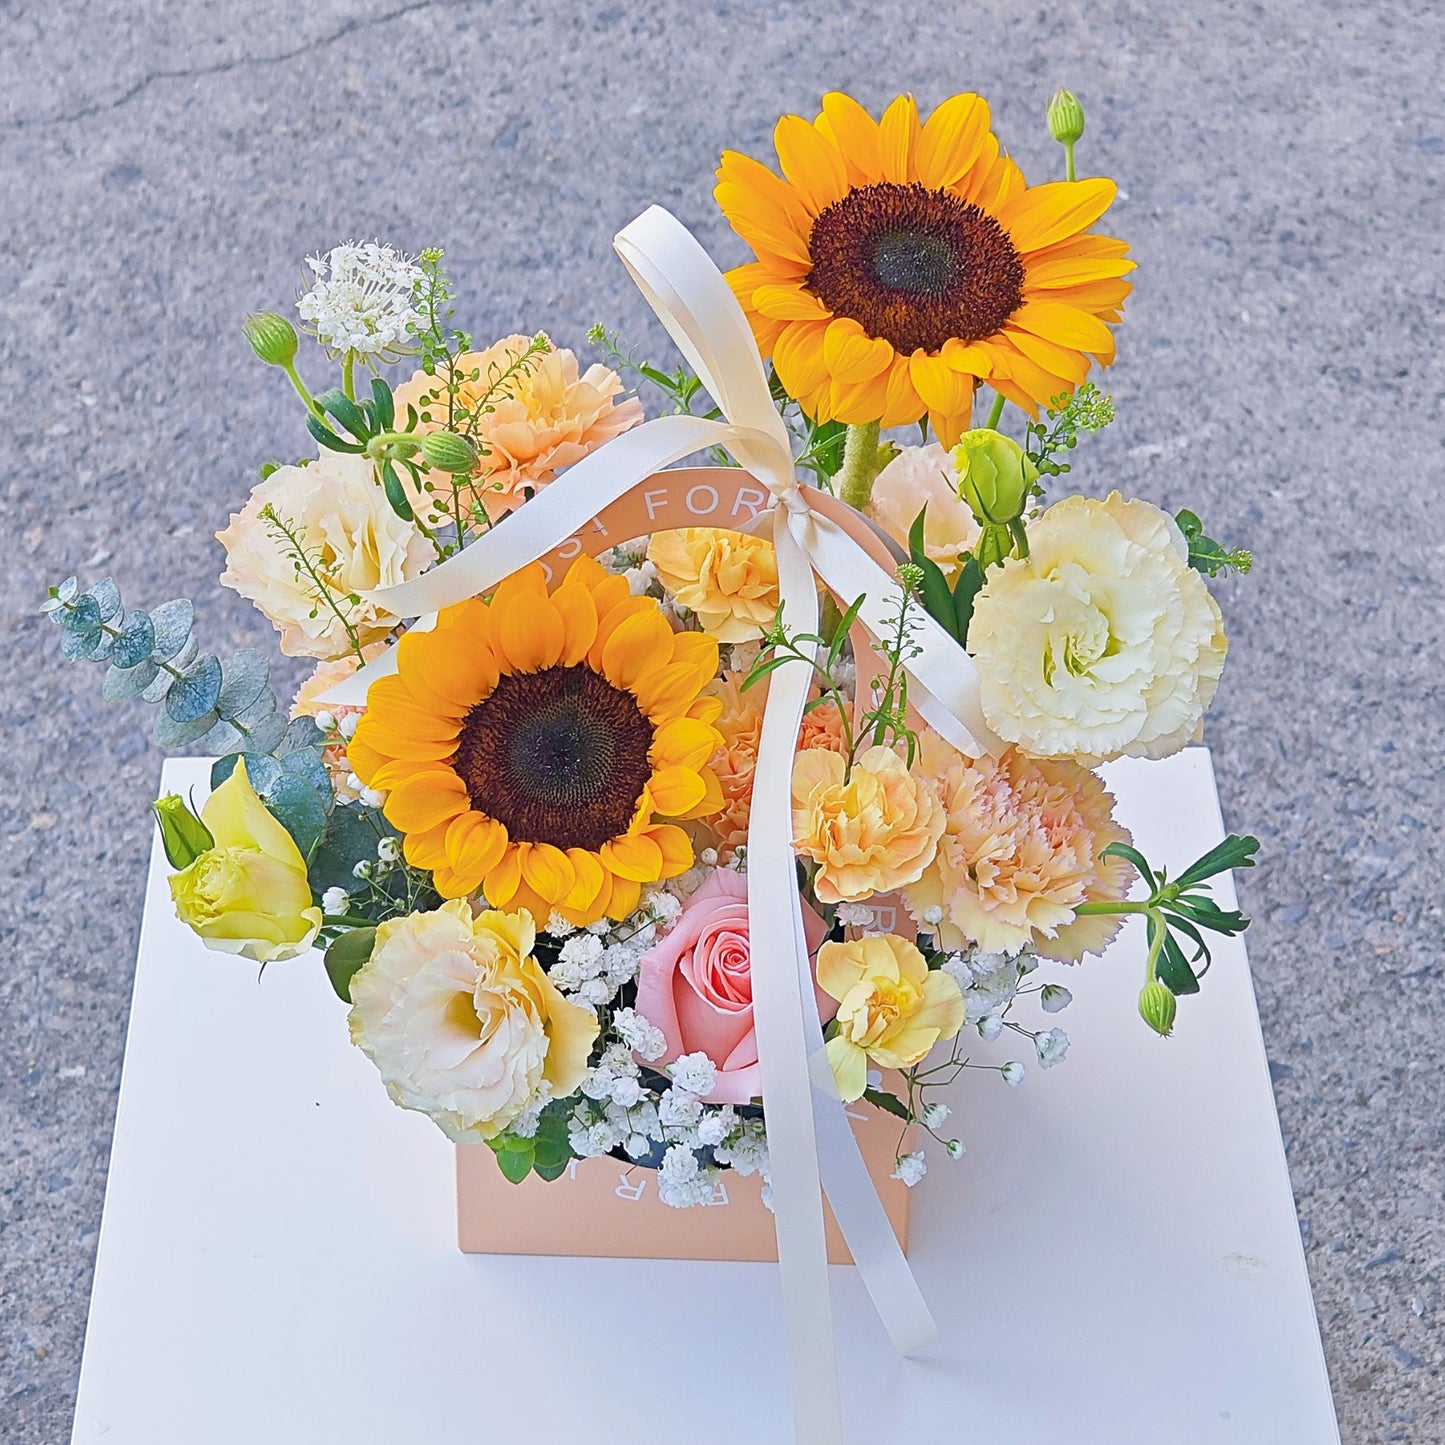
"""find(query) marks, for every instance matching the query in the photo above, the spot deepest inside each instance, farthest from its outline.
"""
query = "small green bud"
(1157, 1007)
(995, 476)
(184, 837)
(910, 577)
(272, 337)
(445, 451)
(1066, 117)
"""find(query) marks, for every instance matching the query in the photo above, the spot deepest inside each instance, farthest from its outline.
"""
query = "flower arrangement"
(522, 848)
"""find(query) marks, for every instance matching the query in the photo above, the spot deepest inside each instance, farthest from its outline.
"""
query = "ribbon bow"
(810, 1150)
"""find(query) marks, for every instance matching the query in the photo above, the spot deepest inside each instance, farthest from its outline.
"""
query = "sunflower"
(543, 749)
(899, 264)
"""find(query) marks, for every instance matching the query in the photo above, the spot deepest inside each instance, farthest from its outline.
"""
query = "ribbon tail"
(782, 1050)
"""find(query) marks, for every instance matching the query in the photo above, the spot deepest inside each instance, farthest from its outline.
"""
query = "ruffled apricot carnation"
(1103, 642)
(529, 416)
(869, 832)
(1019, 854)
(919, 477)
(728, 579)
(734, 763)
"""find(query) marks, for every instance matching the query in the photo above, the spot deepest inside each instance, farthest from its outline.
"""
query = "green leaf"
(194, 693)
(297, 806)
(76, 644)
(136, 642)
(965, 593)
(345, 957)
(881, 1100)
(328, 438)
(83, 615)
(172, 622)
(844, 627)
(301, 733)
(308, 765)
(1173, 969)
(1205, 554)
(1234, 852)
(395, 492)
(121, 684)
(171, 733)
(244, 678)
(106, 596)
(1134, 856)
(336, 403)
(937, 599)
(385, 405)
(515, 1164)
(349, 835)
(552, 1171)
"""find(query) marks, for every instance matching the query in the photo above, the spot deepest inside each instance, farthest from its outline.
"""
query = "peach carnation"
(919, 477)
(729, 579)
(530, 417)
(870, 832)
(741, 725)
(1019, 854)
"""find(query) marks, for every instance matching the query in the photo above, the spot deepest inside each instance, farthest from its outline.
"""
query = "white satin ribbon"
(810, 1150)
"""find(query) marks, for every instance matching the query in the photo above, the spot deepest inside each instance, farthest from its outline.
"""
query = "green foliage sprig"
(1086, 409)
(1208, 556)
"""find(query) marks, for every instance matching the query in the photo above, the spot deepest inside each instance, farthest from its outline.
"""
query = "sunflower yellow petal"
(475, 845)
(788, 301)
(950, 140)
(588, 877)
(1062, 324)
(426, 850)
(502, 881)
(425, 800)
(675, 846)
(851, 355)
(945, 390)
(675, 790)
(898, 134)
(634, 857)
(578, 611)
(1041, 215)
(547, 870)
(639, 645)
(856, 135)
(529, 631)
(810, 162)
(685, 743)
(798, 356)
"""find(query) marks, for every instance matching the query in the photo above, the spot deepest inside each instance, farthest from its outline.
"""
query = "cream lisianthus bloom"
(919, 477)
(869, 832)
(248, 894)
(337, 511)
(729, 579)
(1103, 642)
(892, 1008)
(462, 1022)
(1021, 851)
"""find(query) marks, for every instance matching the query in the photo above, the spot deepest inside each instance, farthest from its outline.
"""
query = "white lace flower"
(1103, 642)
(363, 300)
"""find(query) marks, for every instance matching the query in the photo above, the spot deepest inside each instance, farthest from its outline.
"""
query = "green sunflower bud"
(1065, 116)
(995, 476)
(445, 451)
(272, 337)
(1157, 1007)
(184, 837)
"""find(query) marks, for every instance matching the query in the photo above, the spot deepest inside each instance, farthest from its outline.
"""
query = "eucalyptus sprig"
(1205, 554)
(1176, 909)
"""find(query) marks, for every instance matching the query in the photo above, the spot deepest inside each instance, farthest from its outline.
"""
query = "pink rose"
(696, 985)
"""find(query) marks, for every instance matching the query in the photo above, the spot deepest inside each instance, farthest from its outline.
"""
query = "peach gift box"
(610, 1207)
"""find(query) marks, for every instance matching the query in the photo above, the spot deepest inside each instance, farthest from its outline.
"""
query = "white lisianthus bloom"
(461, 1021)
(1103, 642)
(338, 516)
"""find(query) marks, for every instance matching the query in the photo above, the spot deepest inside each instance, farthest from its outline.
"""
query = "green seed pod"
(1157, 1007)
(995, 476)
(1065, 116)
(272, 337)
(445, 451)
(184, 837)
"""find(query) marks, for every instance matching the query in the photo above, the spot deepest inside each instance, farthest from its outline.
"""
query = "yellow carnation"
(874, 830)
(892, 1008)
(1103, 642)
(1020, 853)
(249, 894)
(462, 1022)
(729, 579)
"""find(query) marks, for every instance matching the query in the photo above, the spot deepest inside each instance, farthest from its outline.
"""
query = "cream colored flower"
(729, 579)
(919, 477)
(1103, 642)
(462, 1022)
(892, 1008)
(529, 416)
(1020, 853)
(248, 894)
(337, 511)
(873, 831)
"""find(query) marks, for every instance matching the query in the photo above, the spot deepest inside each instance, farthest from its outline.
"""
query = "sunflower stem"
(862, 461)
(1068, 160)
(995, 411)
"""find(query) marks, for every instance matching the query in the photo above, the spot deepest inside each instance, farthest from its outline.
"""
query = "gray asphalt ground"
(166, 166)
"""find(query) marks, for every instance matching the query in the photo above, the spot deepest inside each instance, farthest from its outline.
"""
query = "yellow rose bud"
(892, 1008)
(248, 894)
(995, 476)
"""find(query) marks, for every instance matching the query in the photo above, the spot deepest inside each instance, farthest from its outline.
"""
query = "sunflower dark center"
(914, 266)
(559, 756)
